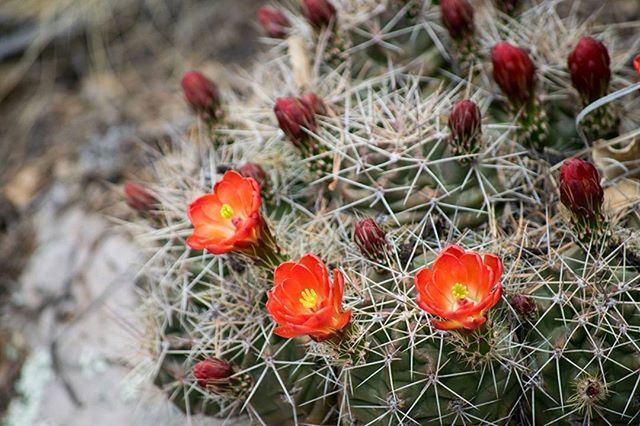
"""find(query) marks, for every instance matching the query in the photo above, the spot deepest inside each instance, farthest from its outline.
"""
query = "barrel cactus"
(382, 240)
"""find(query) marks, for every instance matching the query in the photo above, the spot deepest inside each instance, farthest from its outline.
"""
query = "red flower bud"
(319, 13)
(457, 16)
(524, 306)
(274, 22)
(507, 6)
(465, 126)
(314, 102)
(212, 372)
(370, 239)
(589, 65)
(636, 64)
(294, 115)
(514, 72)
(201, 94)
(139, 198)
(256, 172)
(580, 189)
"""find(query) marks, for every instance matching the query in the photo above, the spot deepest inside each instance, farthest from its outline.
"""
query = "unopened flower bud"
(514, 72)
(139, 198)
(212, 372)
(524, 305)
(457, 16)
(294, 116)
(465, 124)
(370, 239)
(636, 64)
(274, 22)
(319, 13)
(255, 171)
(314, 103)
(580, 190)
(507, 6)
(202, 95)
(589, 65)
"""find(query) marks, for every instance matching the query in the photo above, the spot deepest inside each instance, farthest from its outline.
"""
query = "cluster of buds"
(465, 125)
(582, 194)
(515, 73)
(139, 198)
(371, 240)
(274, 22)
(319, 13)
(202, 95)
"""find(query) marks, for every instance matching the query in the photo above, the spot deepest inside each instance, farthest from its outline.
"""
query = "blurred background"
(89, 89)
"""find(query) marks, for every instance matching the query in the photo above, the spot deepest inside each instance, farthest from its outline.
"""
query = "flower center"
(226, 211)
(309, 298)
(459, 291)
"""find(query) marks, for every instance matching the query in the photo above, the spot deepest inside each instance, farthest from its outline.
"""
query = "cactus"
(388, 243)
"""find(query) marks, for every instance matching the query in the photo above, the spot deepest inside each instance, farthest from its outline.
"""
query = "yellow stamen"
(459, 291)
(226, 211)
(309, 298)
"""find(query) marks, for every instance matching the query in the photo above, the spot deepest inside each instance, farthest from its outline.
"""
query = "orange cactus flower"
(229, 220)
(459, 288)
(304, 301)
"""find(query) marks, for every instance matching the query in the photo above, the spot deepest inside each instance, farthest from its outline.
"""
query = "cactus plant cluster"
(398, 220)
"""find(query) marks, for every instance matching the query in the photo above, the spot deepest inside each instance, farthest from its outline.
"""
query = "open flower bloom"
(459, 288)
(229, 219)
(304, 301)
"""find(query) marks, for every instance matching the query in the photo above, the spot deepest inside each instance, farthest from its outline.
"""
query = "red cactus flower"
(465, 124)
(295, 115)
(636, 64)
(212, 372)
(319, 13)
(514, 72)
(580, 189)
(229, 219)
(589, 65)
(460, 288)
(370, 239)
(304, 301)
(457, 16)
(257, 173)
(201, 94)
(139, 198)
(274, 22)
